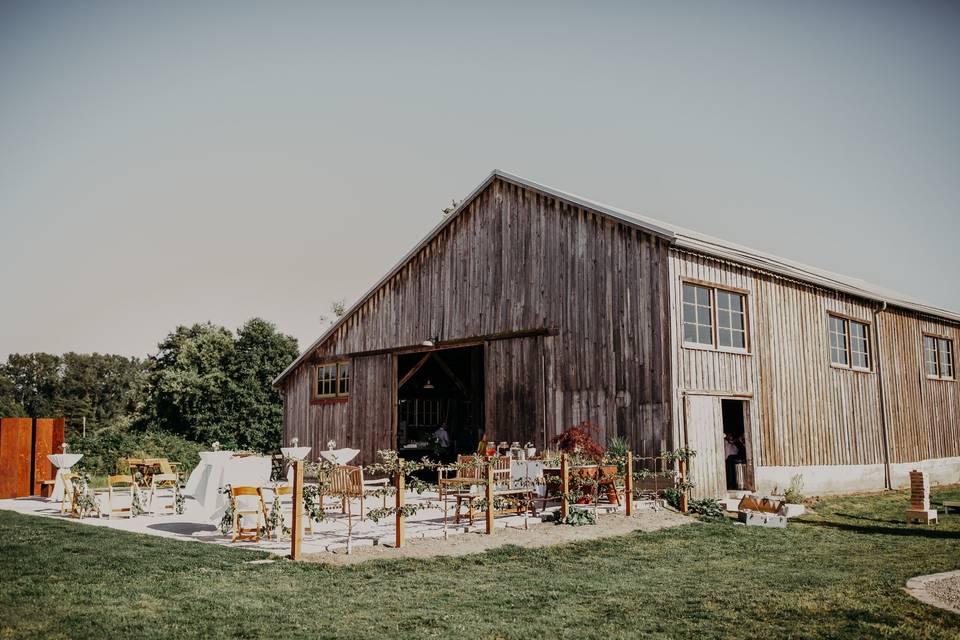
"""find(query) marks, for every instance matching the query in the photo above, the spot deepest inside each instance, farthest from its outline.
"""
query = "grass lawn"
(836, 573)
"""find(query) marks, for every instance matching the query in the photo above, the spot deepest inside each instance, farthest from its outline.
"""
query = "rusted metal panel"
(15, 459)
(42, 447)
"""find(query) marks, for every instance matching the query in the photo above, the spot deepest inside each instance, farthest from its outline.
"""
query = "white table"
(339, 456)
(63, 462)
(217, 471)
(528, 470)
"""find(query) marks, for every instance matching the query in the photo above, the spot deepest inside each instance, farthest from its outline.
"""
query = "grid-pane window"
(859, 349)
(731, 320)
(343, 379)
(930, 356)
(333, 380)
(938, 357)
(838, 342)
(326, 380)
(697, 315)
(945, 356)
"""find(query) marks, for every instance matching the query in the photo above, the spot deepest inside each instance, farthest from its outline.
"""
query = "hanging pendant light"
(429, 384)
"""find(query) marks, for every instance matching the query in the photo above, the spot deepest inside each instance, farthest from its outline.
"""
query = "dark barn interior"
(440, 388)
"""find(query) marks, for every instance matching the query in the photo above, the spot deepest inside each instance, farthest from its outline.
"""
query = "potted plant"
(579, 441)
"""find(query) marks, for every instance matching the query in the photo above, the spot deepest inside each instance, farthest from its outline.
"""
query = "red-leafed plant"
(579, 439)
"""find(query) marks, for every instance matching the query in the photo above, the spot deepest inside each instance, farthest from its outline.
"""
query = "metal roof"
(678, 237)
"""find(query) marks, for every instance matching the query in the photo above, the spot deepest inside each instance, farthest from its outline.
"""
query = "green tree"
(99, 387)
(189, 389)
(261, 352)
(205, 385)
(9, 407)
(36, 379)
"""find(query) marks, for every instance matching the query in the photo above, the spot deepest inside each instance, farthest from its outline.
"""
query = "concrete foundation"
(821, 480)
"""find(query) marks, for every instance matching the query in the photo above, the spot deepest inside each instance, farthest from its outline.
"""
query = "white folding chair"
(163, 486)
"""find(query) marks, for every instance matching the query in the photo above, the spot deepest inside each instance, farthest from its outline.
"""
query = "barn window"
(697, 315)
(938, 357)
(706, 307)
(731, 320)
(849, 343)
(333, 380)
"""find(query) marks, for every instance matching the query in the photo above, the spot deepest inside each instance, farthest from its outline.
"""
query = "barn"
(527, 310)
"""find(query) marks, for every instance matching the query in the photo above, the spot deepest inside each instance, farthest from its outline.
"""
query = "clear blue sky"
(169, 163)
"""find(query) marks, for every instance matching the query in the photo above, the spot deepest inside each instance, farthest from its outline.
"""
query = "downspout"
(883, 398)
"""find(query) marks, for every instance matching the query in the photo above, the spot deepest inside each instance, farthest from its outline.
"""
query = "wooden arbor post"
(628, 484)
(564, 487)
(683, 482)
(490, 506)
(398, 481)
(296, 537)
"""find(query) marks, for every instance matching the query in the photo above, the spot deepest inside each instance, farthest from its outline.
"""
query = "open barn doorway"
(440, 402)
(735, 443)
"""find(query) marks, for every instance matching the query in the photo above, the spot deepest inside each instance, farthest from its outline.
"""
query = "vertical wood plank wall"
(803, 411)
(923, 415)
(517, 260)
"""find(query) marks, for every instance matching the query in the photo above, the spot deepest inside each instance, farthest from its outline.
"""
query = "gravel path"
(937, 589)
(539, 535)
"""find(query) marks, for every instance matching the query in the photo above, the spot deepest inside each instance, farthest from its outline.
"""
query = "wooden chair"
(117, 486)
(347, 483)
(286, 508)
(469, 472)
(239, 511)
(69, 490)
(161, 483)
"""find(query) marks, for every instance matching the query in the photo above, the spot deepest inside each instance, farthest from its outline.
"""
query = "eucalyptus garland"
(275, 518)
(84, 502)
(178, 500)
(226, 522)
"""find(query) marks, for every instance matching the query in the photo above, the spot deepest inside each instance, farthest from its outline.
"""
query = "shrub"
(104, 452)
(579, 439)
(706, 508)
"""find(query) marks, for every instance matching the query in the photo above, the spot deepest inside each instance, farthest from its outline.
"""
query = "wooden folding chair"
(117, 487)
(69, 491)
(163, 483)
(239, 531)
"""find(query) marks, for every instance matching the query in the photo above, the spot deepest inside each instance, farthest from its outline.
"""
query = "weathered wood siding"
(923, 415)
(515, 260)
(803, 411)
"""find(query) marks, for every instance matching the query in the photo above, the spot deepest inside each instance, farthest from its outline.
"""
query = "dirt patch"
(539, 535)
(937, 589)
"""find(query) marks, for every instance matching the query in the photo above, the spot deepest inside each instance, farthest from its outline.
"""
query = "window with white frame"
(333, 380)
(714, 317)
(849, 343)
(938, 357)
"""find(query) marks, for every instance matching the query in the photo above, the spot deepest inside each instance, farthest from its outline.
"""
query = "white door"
(704, 429)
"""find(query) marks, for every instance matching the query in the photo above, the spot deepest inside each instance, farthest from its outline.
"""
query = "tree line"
(204, 384)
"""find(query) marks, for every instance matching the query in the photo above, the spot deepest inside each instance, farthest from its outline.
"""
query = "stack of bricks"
(920, 511)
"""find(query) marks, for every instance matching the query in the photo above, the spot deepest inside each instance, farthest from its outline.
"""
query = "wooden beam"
(564, 487)
(449, 372)
(399, 482)
(296, 539)
(454, 342)
(490, 506)
(628, 488)
(410, 374)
